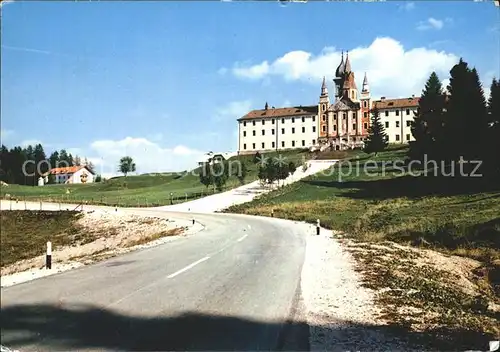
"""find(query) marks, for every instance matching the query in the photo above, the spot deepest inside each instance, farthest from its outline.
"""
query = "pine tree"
(427, 127)
(54, 159)
(465, 126)
(77, 160)
(493, 156)
(377, 138)
(41, 164)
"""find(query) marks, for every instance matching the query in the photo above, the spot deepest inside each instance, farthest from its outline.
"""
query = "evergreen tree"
(29, 166)
(63, 160)
(54, 159)
(40, 161)
(493, 155)
(377, 138)
(77, 160)
(427, 127)
(71, 160)
(465, 124)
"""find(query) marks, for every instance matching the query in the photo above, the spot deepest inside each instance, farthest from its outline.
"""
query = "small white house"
(215, 158)
(71, 174)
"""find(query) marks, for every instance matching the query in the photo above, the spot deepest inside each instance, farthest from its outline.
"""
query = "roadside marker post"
(40, 205)
(48, 257)
(272, 213)
(317, 227)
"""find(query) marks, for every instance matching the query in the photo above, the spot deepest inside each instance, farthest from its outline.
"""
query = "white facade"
(71, 174)
(277, 133)
(397, 123)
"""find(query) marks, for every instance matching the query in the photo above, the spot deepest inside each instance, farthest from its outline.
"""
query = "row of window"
(273, 144)
(408, 124)
(397, 112)
(254, 133)
(398, 137)
(303, 119)
(365, 126)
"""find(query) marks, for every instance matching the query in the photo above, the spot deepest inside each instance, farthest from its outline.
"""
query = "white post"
(48, 257)
(40, 205)
(317, 226)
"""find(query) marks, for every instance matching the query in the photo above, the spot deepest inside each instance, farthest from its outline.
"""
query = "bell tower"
(365, 106)
(324, 104)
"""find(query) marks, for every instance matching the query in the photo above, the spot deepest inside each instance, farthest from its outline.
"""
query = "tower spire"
(347, 63)
(324, 89)
(366, 88)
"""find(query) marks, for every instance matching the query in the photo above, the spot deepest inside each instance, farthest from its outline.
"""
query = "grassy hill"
(142, 190)
(375, 213)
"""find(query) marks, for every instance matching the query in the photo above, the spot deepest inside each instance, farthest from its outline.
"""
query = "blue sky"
(165, 81)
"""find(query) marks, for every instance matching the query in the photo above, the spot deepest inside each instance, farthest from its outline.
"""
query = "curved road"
(233, 286)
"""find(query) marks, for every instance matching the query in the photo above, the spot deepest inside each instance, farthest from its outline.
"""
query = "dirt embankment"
(78, 239)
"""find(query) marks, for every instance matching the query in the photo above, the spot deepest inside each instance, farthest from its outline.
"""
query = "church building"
(339, 121)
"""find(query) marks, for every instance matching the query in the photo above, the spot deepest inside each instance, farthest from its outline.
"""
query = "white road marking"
(187, 267)
(242, 238)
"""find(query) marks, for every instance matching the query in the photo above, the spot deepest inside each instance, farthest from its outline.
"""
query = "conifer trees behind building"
(377, 138)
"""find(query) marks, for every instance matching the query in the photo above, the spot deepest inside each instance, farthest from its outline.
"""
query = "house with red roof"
(71, 174)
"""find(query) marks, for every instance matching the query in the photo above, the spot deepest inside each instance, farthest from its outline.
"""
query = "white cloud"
(148, 156)
(407, 6)
(232, 110)
(430, 23)
(31, 142)
(6, 134)
(393, 71)
(287, 103)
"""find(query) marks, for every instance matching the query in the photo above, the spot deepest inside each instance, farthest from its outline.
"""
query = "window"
(386, 113)
(314, 118)
(344, 116)
(303, 119)
(244, 123)
(293, 119)
(314, 141)
(386, 124)
(397, 112)
(273, 121)
(323, 107)
(355, 115)
(244, 146)
(354, 127)
(323, 117)
(387, 138)
(407, 111)
(365, 114)
(293, 143)
(314, 128)
(253, 132)
(253, 123)
(303, 130)
(263, 145)
(244, 133)
(365, 125)
(407, 137)
(397, 123)
(334, 116)
(263, 132)
(365, 104)
(272, 131)
(334, 127)
(273, 145)
(282, 131)
(397, 137)
(324, 128)
(283, 144)
(408, 123)
(253, 145)
(263, 122)
(303, 143)
(282, 120)
(293, 129)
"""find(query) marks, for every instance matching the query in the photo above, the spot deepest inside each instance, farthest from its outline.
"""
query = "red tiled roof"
(281, 112)
(396, 103)
(65, 170)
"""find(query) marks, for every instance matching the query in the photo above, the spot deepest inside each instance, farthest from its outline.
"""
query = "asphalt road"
(233, 286)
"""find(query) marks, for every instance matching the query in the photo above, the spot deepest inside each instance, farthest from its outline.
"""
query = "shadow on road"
(51, 328)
